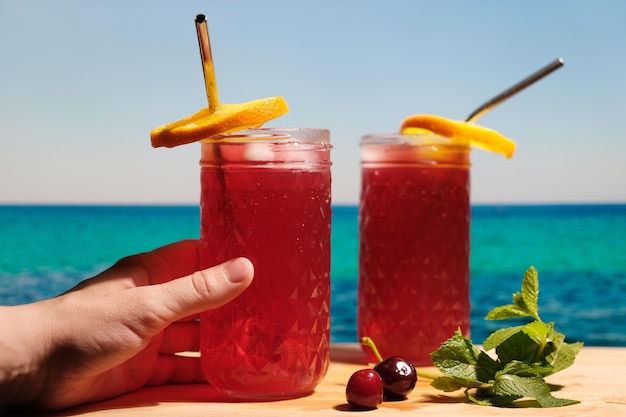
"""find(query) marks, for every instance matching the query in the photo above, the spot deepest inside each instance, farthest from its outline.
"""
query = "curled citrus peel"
(226, 118)
(216, 118)
(477, 136)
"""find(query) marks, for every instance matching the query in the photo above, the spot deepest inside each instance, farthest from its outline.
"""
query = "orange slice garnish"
(477, 136)
(226, 118)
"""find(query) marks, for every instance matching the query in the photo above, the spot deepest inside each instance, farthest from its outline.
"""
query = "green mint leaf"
(525, 369)
(564, 355)
(506, 312)
(525, 355)
(499, 336)
(446, 384)
(520, 303)
(449, 383)
(556, 338)
(539, 331)
(530, 291)
(518, 347)
(524, 302)
(532, 387)
(459, 358)
(484, 397)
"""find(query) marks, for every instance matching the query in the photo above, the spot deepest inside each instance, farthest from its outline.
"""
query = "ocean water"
(579, 251)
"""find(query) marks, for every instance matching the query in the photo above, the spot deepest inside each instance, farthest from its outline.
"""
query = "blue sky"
(82, 83)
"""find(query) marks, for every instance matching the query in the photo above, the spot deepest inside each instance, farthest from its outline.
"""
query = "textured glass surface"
(273, 340)
(414, 257)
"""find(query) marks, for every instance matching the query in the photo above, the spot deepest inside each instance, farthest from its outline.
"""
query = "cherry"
(364, 389)
(398, 376)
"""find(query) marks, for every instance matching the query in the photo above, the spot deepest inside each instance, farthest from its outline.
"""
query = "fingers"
(182, 258)
(161, 265)
(192, 294)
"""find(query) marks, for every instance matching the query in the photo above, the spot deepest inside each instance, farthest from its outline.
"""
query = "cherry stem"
(427, 375)
(367, 341)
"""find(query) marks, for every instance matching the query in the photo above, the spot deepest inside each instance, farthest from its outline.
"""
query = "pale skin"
(116, 332)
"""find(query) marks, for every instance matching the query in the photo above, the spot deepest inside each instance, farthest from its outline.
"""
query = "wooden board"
(597, 379)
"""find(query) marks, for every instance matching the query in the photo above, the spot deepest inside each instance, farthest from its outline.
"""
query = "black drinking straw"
(526, 82)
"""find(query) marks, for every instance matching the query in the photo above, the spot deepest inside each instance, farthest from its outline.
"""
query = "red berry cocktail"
(414, 225)
(266, 196)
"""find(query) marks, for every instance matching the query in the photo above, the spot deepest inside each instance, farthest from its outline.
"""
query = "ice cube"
(258, 152)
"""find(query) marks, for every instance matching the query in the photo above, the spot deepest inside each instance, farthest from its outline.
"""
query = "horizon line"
(342, 204)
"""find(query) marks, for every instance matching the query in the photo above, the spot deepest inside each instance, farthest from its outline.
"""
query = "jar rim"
(274, 134)
(397, 138)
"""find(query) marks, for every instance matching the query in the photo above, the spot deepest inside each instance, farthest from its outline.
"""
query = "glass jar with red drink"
(266, 196)
(414, 227)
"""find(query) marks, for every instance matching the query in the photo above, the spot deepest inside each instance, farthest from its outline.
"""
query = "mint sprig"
(524, 356)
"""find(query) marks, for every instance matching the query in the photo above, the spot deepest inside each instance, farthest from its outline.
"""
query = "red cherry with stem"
(364, 389)
(398, 375)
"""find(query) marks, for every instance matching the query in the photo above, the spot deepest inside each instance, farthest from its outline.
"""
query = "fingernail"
(237, 270)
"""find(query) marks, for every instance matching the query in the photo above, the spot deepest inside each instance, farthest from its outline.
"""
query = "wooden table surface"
(597, 379)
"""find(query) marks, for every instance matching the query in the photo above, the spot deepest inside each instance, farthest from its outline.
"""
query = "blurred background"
(83, 82)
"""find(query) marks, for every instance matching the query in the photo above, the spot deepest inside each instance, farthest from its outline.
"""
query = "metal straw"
(526, 82)
(207, 63)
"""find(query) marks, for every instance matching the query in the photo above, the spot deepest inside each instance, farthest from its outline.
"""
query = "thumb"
(203, 290)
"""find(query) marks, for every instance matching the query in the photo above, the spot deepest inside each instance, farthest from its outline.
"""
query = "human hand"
(116, 332)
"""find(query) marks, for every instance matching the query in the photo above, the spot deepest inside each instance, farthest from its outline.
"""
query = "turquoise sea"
(579, 251)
